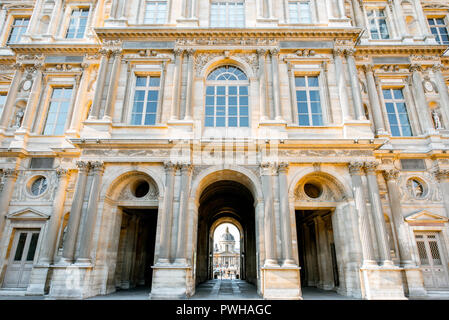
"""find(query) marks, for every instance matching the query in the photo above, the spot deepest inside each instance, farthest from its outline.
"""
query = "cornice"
(52, 48)
(400, 49)
(281, 33)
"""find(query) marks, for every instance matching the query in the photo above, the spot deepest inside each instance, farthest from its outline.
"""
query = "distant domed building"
(226, 257)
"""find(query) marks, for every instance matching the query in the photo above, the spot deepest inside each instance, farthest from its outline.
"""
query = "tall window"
(155, 12)
(2, 102)
(439, 30)
(145, 100)
(308, 101)
(397, 112)
(78, 23)
(58, 111)
(299, 12)
(378, 24)
(227, 14)
(227, 98)
(18, 28)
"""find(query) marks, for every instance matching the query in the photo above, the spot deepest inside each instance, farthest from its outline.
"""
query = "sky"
(232, 229)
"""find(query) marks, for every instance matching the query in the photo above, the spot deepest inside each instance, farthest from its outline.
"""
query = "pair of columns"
(357, 170)
(95, 169)
(276, 199)
(268, 112)
(348, 55)
(175, 216)
(176, 113)
(106, 55)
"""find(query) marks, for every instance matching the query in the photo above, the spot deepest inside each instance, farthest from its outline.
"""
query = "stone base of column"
(39, 277)
(72, 282)
(96, 129)
(172, 282)
(122, 22)
(413, 282)
(281, 283)
(357, 129)
(188, 22)
(380, 283)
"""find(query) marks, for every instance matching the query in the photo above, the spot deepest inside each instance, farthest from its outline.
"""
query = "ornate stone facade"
(321, 134)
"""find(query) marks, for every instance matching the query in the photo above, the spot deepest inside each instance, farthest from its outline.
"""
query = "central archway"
(226, 200)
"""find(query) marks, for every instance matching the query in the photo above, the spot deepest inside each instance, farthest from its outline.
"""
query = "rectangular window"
(146, 99)
(299, 12)
(78, 23)
(227, 106)
(2, 102)
(439, 30)
(397, 113)
(58, 111)
(227, 14)
(377, 24)
(155, 12)
(308, 101)
(18, 28)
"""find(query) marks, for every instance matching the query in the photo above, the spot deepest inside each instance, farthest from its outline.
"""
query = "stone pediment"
(27, 214)
(424, 217)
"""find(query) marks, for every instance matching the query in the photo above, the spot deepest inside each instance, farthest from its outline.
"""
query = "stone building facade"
(130, 129)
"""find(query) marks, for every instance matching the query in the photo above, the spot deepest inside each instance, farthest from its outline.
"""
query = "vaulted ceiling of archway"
(226, 198)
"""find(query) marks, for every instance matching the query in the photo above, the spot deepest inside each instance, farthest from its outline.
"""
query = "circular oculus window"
(38, 186)
(313, 190)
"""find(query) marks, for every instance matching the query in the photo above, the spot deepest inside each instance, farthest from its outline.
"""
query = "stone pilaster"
(421, 103)
(355, 170)
(161, 92)
(274, 54)
(68, 252)
(8, 108)
(113, 82)
(99, 86)
(33, 99)
(177, 77)
(8, 180)
(341, 85)
(374, 100)
(97, 169)
(190, 85)
(181, 253)
(263, 96)
(355, 86)
(442, 91)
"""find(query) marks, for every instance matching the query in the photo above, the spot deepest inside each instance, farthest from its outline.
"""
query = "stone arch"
(226, 60)
(226, 219)
(226, 172)
(333, 188)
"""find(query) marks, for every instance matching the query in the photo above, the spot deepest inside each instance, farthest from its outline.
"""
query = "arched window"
(227, 98)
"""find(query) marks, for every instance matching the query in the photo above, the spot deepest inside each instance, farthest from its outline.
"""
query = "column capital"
(371, 166)
(437, 67)
(170, 167)
(355, 167)
(19, 66)
(261, 52)
(415, 68)
(368, 67)
(267, 168)
(190, 52)
(9, 173)
(337, 52)
(83, 166)
(441, 174)
(178, 52)
(391, 174)
(97, 167)
(283, 167)
(116, 52)
(186, 168)
(62, 173)
(274, 51)
(349, 52)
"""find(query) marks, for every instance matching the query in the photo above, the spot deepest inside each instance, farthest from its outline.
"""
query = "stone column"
(341, 8)
(113, 82)
(177, 78)
(165, 233)
(263, 96)
(355, 86)
(181, 254)
(276, 89)
(341, 85)
(421, 103)
(68, 251)
(160, 101)
(287, 250)
(33, 99)
(422, 19)
(54, 20)
(391, 177)
(78, 101)
(442, 90)
(378, 215)
(120, 13)
(113, 11)
(358, 13)
(189, 88)
(97, 169)
(49, 242)
(374, 100)
(291, 79)
(442, 176)
(99, 86)
(396, 7)
(8, 182)
(11, 98)
(355, 169)
(266, 172)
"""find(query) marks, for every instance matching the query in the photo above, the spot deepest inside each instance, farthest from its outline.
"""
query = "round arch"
(222, 61)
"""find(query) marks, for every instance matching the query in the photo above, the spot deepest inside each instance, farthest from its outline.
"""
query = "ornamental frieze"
(324, 153)
(210, 41)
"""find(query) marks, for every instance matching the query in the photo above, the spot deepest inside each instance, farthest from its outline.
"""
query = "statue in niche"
(18, 118)
(436, 119)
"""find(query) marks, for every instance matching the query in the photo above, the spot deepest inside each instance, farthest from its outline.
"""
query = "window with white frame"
(397, 112)
(146, 97)
(78, 23)
(18, 28)
(58, 111)
(377, 22)
(308, 101)
(299, 12)
(438, 27)
(155, 12)
(227, 14)
(2, 102)
(227, 98)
